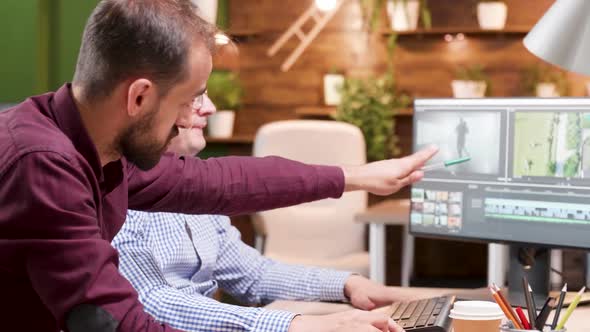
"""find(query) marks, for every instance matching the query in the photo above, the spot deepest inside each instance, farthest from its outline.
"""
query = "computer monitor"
(527, 183)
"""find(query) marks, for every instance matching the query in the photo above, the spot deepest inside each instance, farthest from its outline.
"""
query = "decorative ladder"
(320, 20)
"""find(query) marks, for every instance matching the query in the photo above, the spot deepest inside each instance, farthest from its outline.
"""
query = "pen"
(525, 322)
(445, 164)
(507, 312)
(508, 305)
(529, 300)
(533, 301)
(570, 309)
(559, 306)
(544, 313)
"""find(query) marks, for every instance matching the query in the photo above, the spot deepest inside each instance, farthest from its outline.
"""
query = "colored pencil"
(504, 308)
(528, 297)
(570, 309)
(523, 320)
(559, 306)
(544, 313)
(508, 305)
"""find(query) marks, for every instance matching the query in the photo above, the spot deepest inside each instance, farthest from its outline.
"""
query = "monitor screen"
(528, 179)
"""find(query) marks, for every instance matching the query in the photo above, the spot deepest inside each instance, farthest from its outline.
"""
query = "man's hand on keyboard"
(368, 295)
(347, 321)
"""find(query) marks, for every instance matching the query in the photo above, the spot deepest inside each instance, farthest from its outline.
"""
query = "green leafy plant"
(371, 105)
(372, 13)
(225, 90)
(544, 74)
(474, 72)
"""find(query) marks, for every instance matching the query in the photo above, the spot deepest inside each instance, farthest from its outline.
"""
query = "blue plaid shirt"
(176, 262)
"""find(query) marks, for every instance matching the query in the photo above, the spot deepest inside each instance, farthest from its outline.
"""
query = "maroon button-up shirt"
(60, 209)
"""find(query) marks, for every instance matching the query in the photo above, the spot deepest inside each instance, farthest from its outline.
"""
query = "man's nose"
(208, 107)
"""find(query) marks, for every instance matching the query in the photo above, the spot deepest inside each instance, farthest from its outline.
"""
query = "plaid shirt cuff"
(273, 321)
(332, 286)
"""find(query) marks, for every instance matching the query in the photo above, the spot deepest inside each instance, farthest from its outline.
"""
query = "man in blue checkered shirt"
(176, 262)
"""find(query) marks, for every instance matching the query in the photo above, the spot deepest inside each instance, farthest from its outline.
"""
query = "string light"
(326, 5)
(221, 39)
(458, 37)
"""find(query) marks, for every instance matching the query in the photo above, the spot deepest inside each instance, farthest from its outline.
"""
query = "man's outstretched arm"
(238, 185)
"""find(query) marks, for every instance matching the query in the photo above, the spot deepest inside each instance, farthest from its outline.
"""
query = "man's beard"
(139, 147)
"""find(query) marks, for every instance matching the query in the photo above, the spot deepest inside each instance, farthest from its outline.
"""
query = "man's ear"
(141, 96)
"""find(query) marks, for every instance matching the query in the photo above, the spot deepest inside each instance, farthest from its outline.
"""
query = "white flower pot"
(332, 85)
(221, 124)
(208, 9)
(403, 14)
(546, 90)
(492, 15)
(468, 89)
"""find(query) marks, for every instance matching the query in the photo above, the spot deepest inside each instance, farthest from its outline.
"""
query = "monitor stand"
(535, 264)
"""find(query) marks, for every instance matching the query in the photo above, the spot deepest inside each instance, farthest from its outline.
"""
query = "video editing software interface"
(528, 179)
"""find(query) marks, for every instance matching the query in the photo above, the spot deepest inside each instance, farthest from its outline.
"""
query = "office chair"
(321, 233)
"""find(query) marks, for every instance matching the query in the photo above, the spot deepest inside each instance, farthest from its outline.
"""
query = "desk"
(378, 216)
(578, 322)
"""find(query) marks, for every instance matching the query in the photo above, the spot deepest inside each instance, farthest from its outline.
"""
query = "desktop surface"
(578, 322)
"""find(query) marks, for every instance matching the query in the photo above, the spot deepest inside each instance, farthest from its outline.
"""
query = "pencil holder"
(510, 328)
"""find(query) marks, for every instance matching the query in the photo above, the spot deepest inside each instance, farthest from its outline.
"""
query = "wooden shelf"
(519, 31)
(243, 32)
(327, 111)
(240, 139)
(315, 111)
(243, 35)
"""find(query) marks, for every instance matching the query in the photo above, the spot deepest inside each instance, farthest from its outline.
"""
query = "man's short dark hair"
(139, 38)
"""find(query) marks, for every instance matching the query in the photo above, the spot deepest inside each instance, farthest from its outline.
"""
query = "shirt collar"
(67, 117)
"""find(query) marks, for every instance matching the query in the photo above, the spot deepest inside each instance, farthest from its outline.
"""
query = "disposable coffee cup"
(480, 316)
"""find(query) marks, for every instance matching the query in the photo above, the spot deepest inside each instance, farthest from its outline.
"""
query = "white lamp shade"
(562, 36)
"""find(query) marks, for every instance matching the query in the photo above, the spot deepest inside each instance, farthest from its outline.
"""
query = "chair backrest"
(321, 229)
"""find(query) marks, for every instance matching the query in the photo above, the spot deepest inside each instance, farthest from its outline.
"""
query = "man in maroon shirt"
(73, 161)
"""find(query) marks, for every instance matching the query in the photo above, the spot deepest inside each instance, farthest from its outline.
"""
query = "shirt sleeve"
(253, 278)
(190, 312)
(67, 261)
(229, 185)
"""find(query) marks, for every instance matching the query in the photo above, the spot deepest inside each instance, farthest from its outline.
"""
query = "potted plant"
(544, 82)
(404, 14)
(371, 104)
(225, 91)
(333, 82)
(471, 82)
(491, 15)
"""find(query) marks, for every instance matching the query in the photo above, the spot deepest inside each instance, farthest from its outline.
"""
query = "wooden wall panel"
(424, 65)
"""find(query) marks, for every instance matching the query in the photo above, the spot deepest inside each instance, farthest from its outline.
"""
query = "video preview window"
(551, 144)
(463, 134)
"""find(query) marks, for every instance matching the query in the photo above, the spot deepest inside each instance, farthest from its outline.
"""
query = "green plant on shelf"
(474, 72)
(225, 90)
(534, 75)
(371, 105)
(372, 11)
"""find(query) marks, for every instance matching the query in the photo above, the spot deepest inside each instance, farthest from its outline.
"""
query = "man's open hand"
(386, 177)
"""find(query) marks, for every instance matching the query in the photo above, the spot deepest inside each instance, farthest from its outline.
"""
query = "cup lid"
(476, 310)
